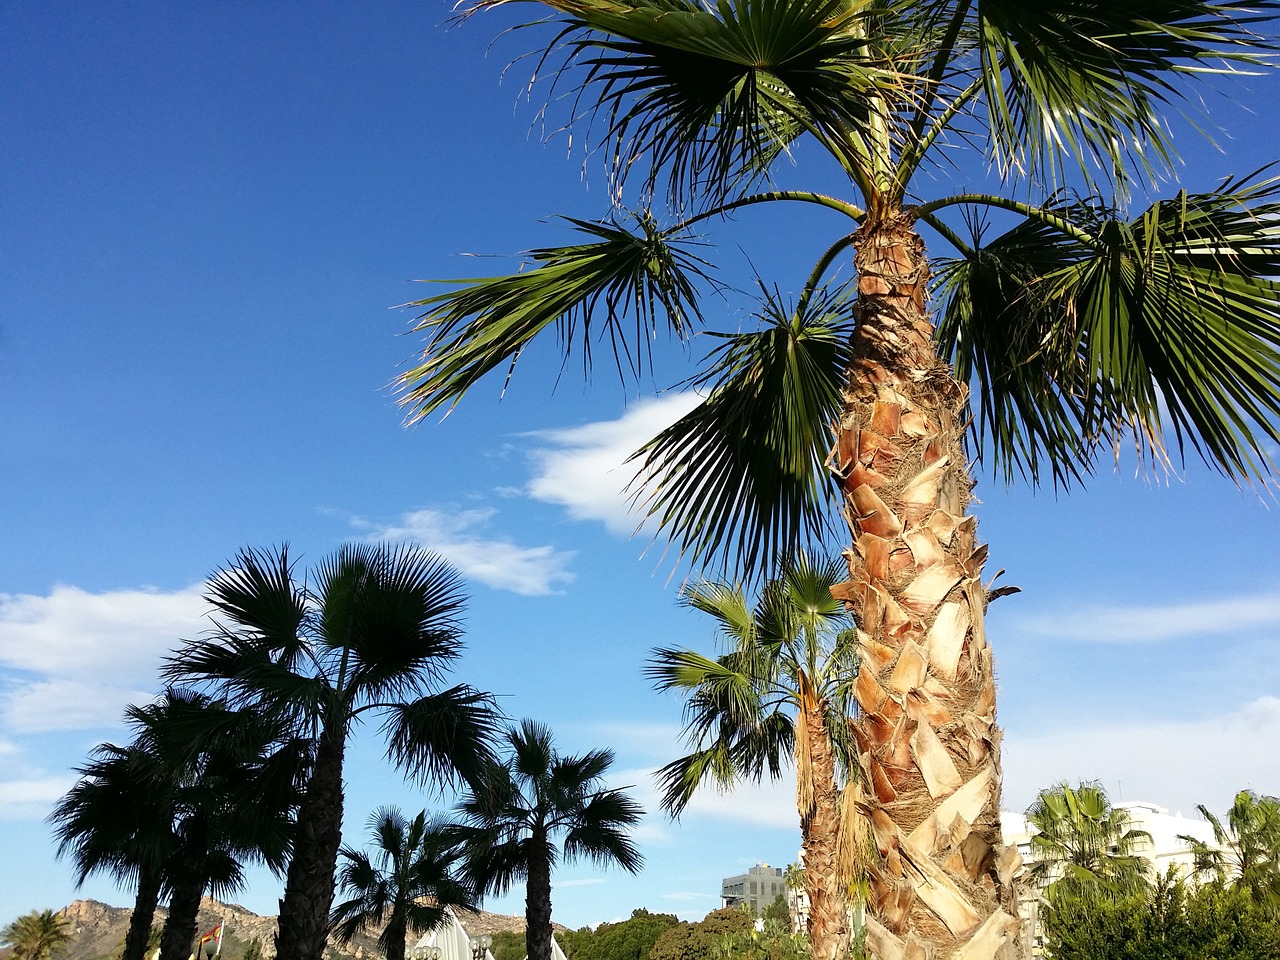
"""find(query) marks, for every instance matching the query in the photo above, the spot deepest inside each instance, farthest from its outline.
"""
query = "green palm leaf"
(1168, 323)
(710, 96)
(583, 291)
(1085, 78)
(742, 475)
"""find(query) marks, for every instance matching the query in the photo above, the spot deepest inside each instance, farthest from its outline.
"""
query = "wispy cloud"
(585, 470)
(494, 561)
(1158, 622)
(30, 799)
(768, 804)
(1176, 763)
(75, 659)
(582, 882)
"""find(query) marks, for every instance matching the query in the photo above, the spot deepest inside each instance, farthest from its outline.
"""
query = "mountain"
(98, 931)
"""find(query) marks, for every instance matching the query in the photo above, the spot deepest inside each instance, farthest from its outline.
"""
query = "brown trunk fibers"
(828, 924)
(942, 885)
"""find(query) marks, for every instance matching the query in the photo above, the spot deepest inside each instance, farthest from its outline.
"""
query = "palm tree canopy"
(1247, 848)
(377, 630)
(412, 877)
(1081, 324)
(791, 652)
(1083, 845)
(39, 935)
(538, 803)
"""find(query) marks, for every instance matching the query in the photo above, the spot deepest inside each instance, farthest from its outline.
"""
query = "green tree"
(413, 879)
(1073, 320)
(708, 939)
(1247, 849)
(784, 688)
(38, 935)
(508, 945)
(254, 950)
(374, 631)
(1083, 847)
(779, 910)
(536, 809)
(629, 939)
(1168, 922)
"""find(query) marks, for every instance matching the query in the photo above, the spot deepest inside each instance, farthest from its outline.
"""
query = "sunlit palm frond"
(583, 291)
(1085, 79)
(741, 477)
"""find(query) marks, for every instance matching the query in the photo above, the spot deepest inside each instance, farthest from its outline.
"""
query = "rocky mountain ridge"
(98, 930)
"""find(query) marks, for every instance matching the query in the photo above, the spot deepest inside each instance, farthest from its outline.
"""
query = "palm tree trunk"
(943, 884)
(819, 829)
(537, 901)
(309, 883)
(144, 912)
(396, 936)
(188, 887)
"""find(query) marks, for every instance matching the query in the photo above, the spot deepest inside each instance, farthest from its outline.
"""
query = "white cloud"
(769, 804)
(27, 799)
(585, 469)
(75, 659)
(582, 882)
(1176, 763)
(498, 563)
(100, 636)
(1164, 622)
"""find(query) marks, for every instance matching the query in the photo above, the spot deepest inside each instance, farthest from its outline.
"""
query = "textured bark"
(144, 912)
(537, 902)
(309, 883)
(819, 829)
(188, 887)
(942, 886)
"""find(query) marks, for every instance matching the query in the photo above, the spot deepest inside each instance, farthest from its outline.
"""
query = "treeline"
(722, 933)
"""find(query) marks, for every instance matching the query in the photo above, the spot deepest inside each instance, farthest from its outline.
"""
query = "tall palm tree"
(115, 821)
(375, 634)
(535, 809)
(783, 689)
(1083, 847)
(415, 878)
(1247, 848)
(38, 935)
(1071, 323)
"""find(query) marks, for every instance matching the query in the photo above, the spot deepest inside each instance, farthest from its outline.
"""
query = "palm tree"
(228, 780)
(1247, 849)
(414, 881)
(114, 821)
(1083, 847)
(375, 634)
(38, 935)
(1071, 323)
(536, 808)
(783, 689)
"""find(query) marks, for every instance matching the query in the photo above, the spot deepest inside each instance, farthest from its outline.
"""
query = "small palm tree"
(1247, 849)
(413, 881)
(1083, 847)
(784, 689)
(114, 821)
(374, 634)
(535, 809)
(39, 935)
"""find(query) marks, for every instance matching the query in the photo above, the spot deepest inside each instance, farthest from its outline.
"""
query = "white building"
(757, 888)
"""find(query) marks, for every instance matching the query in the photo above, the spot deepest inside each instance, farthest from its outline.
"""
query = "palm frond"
(742, 477)
(1084, 79)
(586, 290)
(444, 737)
(710, 96)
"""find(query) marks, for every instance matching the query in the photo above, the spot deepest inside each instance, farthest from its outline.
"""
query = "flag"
(213, 936)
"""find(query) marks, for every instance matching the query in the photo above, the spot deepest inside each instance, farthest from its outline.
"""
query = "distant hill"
(98, 931)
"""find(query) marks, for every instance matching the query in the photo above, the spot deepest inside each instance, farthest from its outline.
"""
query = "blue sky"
(208, 214)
